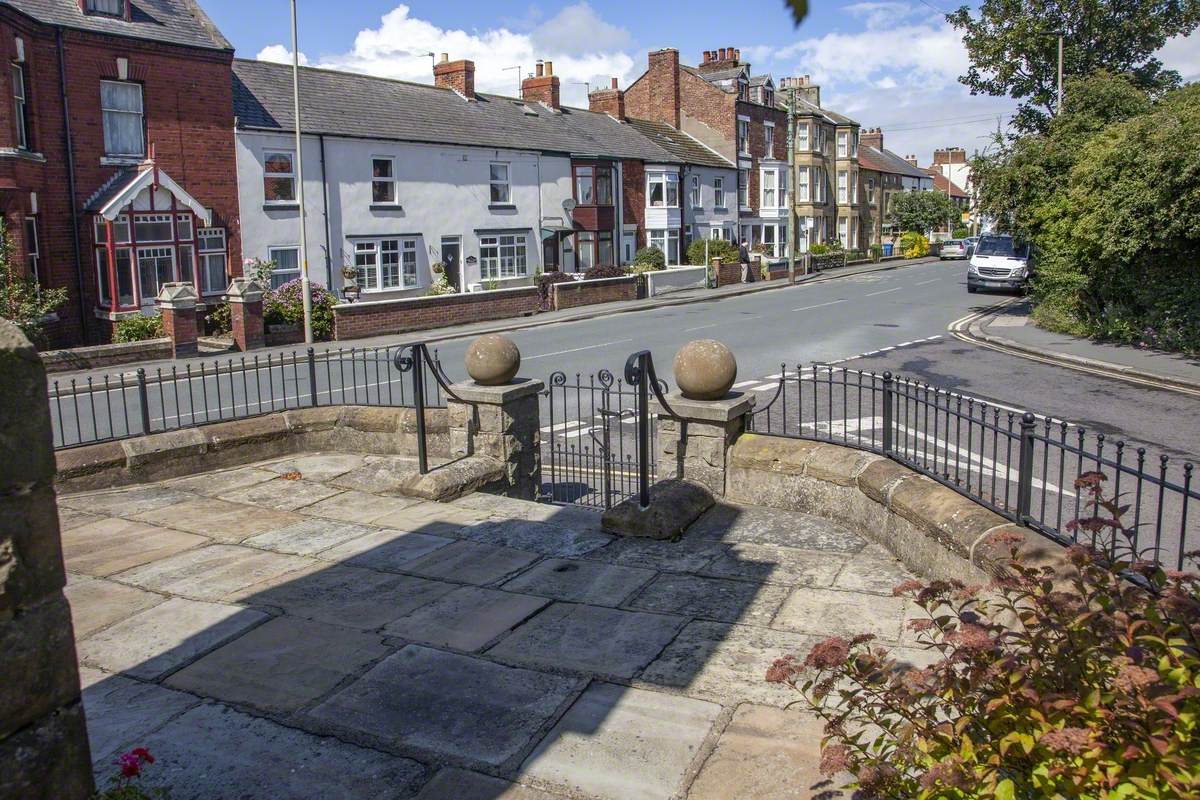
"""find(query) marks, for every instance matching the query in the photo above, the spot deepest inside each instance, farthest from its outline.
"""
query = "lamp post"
(791, 146)
(305, 288)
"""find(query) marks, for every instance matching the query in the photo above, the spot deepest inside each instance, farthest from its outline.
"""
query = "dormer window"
(111, 8)
(768, 97)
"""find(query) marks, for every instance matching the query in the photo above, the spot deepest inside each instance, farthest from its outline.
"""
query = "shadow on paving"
(446, 660)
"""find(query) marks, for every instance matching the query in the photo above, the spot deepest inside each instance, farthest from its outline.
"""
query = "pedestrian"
(744, 258)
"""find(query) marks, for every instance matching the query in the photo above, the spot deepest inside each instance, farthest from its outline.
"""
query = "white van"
(999, 263)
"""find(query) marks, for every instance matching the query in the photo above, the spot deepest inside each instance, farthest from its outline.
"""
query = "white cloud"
(279, 53)
(581, 44)
(879, 15)
(1183, 55)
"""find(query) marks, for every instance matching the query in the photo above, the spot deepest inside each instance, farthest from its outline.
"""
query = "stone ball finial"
(705, 369)
(493, 359)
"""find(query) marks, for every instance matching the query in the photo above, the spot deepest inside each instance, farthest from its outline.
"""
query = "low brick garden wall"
(377, 317)
(105, 355)
(729, 273)
(586, 293)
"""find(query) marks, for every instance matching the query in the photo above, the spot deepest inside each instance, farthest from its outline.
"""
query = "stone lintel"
(727, 409)
(472, 392)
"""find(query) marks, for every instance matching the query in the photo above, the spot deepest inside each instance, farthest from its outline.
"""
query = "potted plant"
(349, 272)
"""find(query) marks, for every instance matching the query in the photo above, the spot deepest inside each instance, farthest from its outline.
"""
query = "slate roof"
(180, 22)
(805, 107)
(350, 104)
(685, 149)
(729, 74)
(887, 161)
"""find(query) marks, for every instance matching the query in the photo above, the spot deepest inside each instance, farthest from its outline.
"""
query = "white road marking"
(575, 349)
(922, 283)
(701, 327)
(744, 384)
(885, 291)
(819, 305)
(762, 387)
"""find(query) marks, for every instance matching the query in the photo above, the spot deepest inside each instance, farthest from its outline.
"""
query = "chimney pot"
(721, 54)
(538, 69)
(445, 57)
(614, 83)
(737, 55)
(549, 67)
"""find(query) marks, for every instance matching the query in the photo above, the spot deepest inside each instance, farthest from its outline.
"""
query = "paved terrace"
(288, 629)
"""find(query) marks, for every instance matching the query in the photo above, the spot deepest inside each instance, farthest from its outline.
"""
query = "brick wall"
(728, 273)
(633, 175)
(356, 320)
(656, 95)
(586, 293)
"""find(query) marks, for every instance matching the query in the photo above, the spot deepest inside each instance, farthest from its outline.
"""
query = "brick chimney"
(456, 75)
(542, 87)
(609, 101)
(807, 90)
(871, 137)
(662, 80)
(912, 160)
(949, 155)
(723, 58)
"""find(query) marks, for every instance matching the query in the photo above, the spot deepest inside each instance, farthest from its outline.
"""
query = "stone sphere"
(493, 359)
(705, 370)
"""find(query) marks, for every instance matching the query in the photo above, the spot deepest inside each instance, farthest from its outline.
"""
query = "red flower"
(130, 764)
(143, 754)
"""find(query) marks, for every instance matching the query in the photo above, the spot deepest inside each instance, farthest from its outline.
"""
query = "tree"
(921, 211)
(22, 300)
(715, 248)
(1013, 46)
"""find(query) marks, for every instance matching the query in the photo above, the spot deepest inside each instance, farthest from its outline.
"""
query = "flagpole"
(305, 288)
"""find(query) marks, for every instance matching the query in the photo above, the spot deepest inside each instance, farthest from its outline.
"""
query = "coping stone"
(772, 453)
(620, 743)
(472, 392)
(581, 581)
(727, 409)
(467, 618)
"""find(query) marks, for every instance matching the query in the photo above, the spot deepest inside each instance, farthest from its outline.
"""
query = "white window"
(743, 134)
(719, 192)
(214, 278)
(114, 7)
(383, 180)
(183, 226)
(853, 186)
(662, 190)
(386, 264)
(279, 177)
(802, 194)
(695, 193)
(121, 104)
(585, 251)
(802, 136)
(502, 256)
(843, 236)
(668, 242)
(770, 238)
(156, 266)
(768, 179)
(716, 233)
(153, 228)
(501, 189)
(843, 146)
(287, 265)
(743, 187)
(32, 249)
(841, 186)
(854, 144)
(124, 270)
(120, 230)
(20, 115)
(768, 140)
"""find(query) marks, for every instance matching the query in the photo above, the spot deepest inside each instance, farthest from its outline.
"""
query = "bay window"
(768, 178)
(152, 248)
(802, 194)
(802, 136)
(843, 144)
(386, 264)
(585, 251)
(121, 107)
(214, 277)
(842, 190)
(743, 134)
(768, 140)
(33, 250)
(502, 256)
(667, 241)
(593, 185)
(662, 190)
(114, 8)
(279, 177)
(743, 187)
(843, 235)
(20, 112)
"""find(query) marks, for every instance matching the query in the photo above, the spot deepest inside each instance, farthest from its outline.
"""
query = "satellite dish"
(569, 205)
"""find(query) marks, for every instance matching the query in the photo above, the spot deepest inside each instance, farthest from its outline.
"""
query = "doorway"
(452, 260)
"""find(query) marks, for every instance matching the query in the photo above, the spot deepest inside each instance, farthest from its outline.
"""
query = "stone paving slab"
(164, 638)
(217, 519)
(120, 713)
(461, 784)
(320, 467)
(468, 562)
(752, 525)
(212, 572)
(281, 494)
(449, 705)
(536, 537)
(354, 506)
(873, 570)
(96, 602)
(309, 536)
(712, 598)
(214, 484)
(113, 545)
(125, 502)
(686, 555)
(768, 752)
(383, 476)
(825, 613)
(355, 598)
(618, 743)
(726, 663)
(775, 564)
(425, 516)
(467, 618)
(213, 751)
(69, 518)
(605, 642)
(589, 582)
(510, 508)
(281, 665)
(386, 550)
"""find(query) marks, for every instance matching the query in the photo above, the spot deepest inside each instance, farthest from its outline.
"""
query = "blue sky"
(887, 63)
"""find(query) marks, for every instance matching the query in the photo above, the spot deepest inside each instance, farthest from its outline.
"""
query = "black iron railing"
(100, 408)
(1019, 464)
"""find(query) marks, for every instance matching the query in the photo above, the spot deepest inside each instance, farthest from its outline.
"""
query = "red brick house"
(116, 154)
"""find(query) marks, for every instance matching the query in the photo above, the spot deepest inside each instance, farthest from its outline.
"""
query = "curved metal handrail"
(419, 351)
(633, 377)
(783, 377)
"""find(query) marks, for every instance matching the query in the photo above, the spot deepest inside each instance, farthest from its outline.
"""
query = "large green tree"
(1013, 46)
(921, 211)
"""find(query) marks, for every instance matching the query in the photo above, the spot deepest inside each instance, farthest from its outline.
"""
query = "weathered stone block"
(38, 648)
(30, 548)
(26, 454)
(49, 759)
(943, 512)
(674, 505)
(773, 453)
(837, 465)
(879, 478)
(78, 462)
(371, 419)
(248, 433)
(311, 420)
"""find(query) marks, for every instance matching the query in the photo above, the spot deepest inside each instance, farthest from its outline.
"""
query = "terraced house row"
(138, 150)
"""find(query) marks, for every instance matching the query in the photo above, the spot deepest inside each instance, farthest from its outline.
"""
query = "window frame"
(386, 264)
(743, 134)
(802, 185)
(140, 115)
(33, 248)
(89, 7)
(289, 176)
(843, 144)
(295, 273)
(491, 267)
(843, 186)
(768, 139)
(667, 236)
(802, 140)
(668, 181)
(205, 254)
(495, 183)
(743, 187)
(20, 105)
(719, 191)
(694, 193)
(763, 188)
(389, 181)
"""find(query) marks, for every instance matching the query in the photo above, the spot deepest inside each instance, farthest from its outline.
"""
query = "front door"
(628, 246)
(550, 253)
(452, 259)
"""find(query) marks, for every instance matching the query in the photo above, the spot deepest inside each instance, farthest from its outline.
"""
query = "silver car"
(954, 248)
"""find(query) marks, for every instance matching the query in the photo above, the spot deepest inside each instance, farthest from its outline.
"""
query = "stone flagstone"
(218, 519)
(320, 467)
(712, 598)
(212, 484)
(96, 602)
(824, 613)
(121, 711)
(448, 705)
(775, 564)
(537, 537)
(281, 494)
(387, 550)
(461, 784)
(112, 545)
(580, 581)
(309, 536)
(618, 743)
(772, 526)
(467, 618)
(468, 562)
(126, 502)
(353, 506)
(212, 572)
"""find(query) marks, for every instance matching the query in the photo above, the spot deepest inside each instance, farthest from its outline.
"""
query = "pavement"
(271, 631)
(1010, 327)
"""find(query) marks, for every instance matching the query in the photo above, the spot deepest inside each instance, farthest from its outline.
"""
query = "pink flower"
(130, 764)
(828, 654)
(1067, 740)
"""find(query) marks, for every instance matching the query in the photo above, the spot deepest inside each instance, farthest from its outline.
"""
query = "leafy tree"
(921, 211)
(717, 248)
(22, 300)
(1013, 46)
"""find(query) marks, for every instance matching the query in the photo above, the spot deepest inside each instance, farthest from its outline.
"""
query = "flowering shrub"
(439, 286)
(259, 269)
(1081, 681)
(124, 784)
(285, 306)
(914, 245)
(219, 320)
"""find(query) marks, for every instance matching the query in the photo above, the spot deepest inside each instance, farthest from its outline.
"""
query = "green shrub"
(717, 248)
(285, 306)
(647, 259)
(596, 273)
(22, 301)
(139, 328)
(1068, 681)
(545, 280)
(876, 251)
(914, 245)
(961, 233)
(219, 320)
(439, 286)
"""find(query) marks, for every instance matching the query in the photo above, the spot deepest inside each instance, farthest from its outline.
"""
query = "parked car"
(999, 262)
(953, 248)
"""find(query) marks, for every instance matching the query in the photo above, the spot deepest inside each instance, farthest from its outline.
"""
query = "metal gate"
(590, 444)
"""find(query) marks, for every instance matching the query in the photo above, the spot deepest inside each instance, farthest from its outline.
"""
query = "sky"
(892, 64)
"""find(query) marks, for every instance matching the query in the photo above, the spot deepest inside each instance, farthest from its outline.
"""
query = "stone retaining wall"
(379, 317)
(586, 293)
(357, 429)
(675, 279)
(106, 355)
(934, 530)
